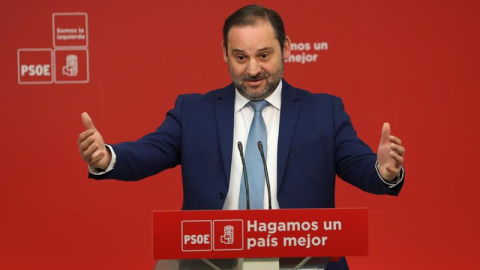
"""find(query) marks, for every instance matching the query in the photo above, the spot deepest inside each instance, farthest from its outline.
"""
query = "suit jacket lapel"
(224, 109)
(288, 120)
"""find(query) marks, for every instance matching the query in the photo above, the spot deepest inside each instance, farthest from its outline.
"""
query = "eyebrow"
(237, 51)
(266, 49)
(259, 50)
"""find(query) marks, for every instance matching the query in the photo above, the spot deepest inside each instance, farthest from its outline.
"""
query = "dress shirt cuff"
(391, 183)
(96, 171)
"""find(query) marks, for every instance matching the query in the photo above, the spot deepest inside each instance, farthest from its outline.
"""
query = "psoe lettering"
(35, 70)
(196, 239)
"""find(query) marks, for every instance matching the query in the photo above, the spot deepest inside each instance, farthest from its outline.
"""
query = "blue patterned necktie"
(253, 160)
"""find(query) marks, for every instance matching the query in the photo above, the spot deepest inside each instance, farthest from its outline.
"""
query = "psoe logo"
(71, 65)
(35, 66)
(196, 235)
(228, 234)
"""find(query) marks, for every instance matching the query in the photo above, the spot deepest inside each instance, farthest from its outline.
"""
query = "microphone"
(245, 177)
(260, 147)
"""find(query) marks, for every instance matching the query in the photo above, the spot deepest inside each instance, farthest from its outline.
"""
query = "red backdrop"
(412, 63)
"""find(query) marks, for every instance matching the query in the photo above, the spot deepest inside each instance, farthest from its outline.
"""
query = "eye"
(240, 57)
(265, 56)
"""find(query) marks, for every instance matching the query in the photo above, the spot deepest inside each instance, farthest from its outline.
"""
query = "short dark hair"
(248, 15)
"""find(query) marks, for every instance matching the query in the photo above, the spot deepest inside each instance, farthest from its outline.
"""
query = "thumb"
(385, 133)
(87, 121)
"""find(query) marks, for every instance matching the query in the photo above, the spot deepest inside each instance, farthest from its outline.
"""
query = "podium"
(258, 239)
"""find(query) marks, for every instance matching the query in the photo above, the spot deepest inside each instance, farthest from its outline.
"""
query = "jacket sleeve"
(354, 160)
(151, 154)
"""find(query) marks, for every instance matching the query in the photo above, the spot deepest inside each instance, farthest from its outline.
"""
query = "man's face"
(255, 59)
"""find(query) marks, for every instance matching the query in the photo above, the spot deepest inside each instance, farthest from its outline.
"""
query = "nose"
(253, 68)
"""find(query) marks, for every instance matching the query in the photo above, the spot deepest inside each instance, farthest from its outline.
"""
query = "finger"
(398, 159)
(96, 159)
(393, 171)
(395, 140)
(86, 144)
(385, 133)
(84, 135)
(87, 121)
(90, 151)
(400, 150)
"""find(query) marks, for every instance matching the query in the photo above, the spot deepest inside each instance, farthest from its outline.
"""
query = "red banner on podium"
(260, 233)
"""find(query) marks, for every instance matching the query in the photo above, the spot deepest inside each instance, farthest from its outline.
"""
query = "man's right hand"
(91, 146)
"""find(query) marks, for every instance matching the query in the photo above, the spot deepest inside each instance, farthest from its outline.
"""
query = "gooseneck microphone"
(245, 177)
(260, 147)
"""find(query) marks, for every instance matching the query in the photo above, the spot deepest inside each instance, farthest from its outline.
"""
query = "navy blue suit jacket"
(316, 142)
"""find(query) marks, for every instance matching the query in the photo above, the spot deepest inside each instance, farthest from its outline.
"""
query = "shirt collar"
(275, 99)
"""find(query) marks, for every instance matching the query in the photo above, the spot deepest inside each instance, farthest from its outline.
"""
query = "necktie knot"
(258, 105)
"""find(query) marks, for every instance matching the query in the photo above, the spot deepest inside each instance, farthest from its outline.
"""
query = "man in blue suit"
(309, 137)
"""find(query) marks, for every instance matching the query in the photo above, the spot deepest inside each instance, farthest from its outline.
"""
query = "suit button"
(221, 195)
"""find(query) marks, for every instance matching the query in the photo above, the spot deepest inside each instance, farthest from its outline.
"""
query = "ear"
(287, 46)
(224, 50)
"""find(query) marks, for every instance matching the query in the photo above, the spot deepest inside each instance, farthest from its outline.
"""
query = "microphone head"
(260, 145)
(240, 146)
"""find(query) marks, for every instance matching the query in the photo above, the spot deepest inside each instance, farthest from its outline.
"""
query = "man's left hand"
(390, 154)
